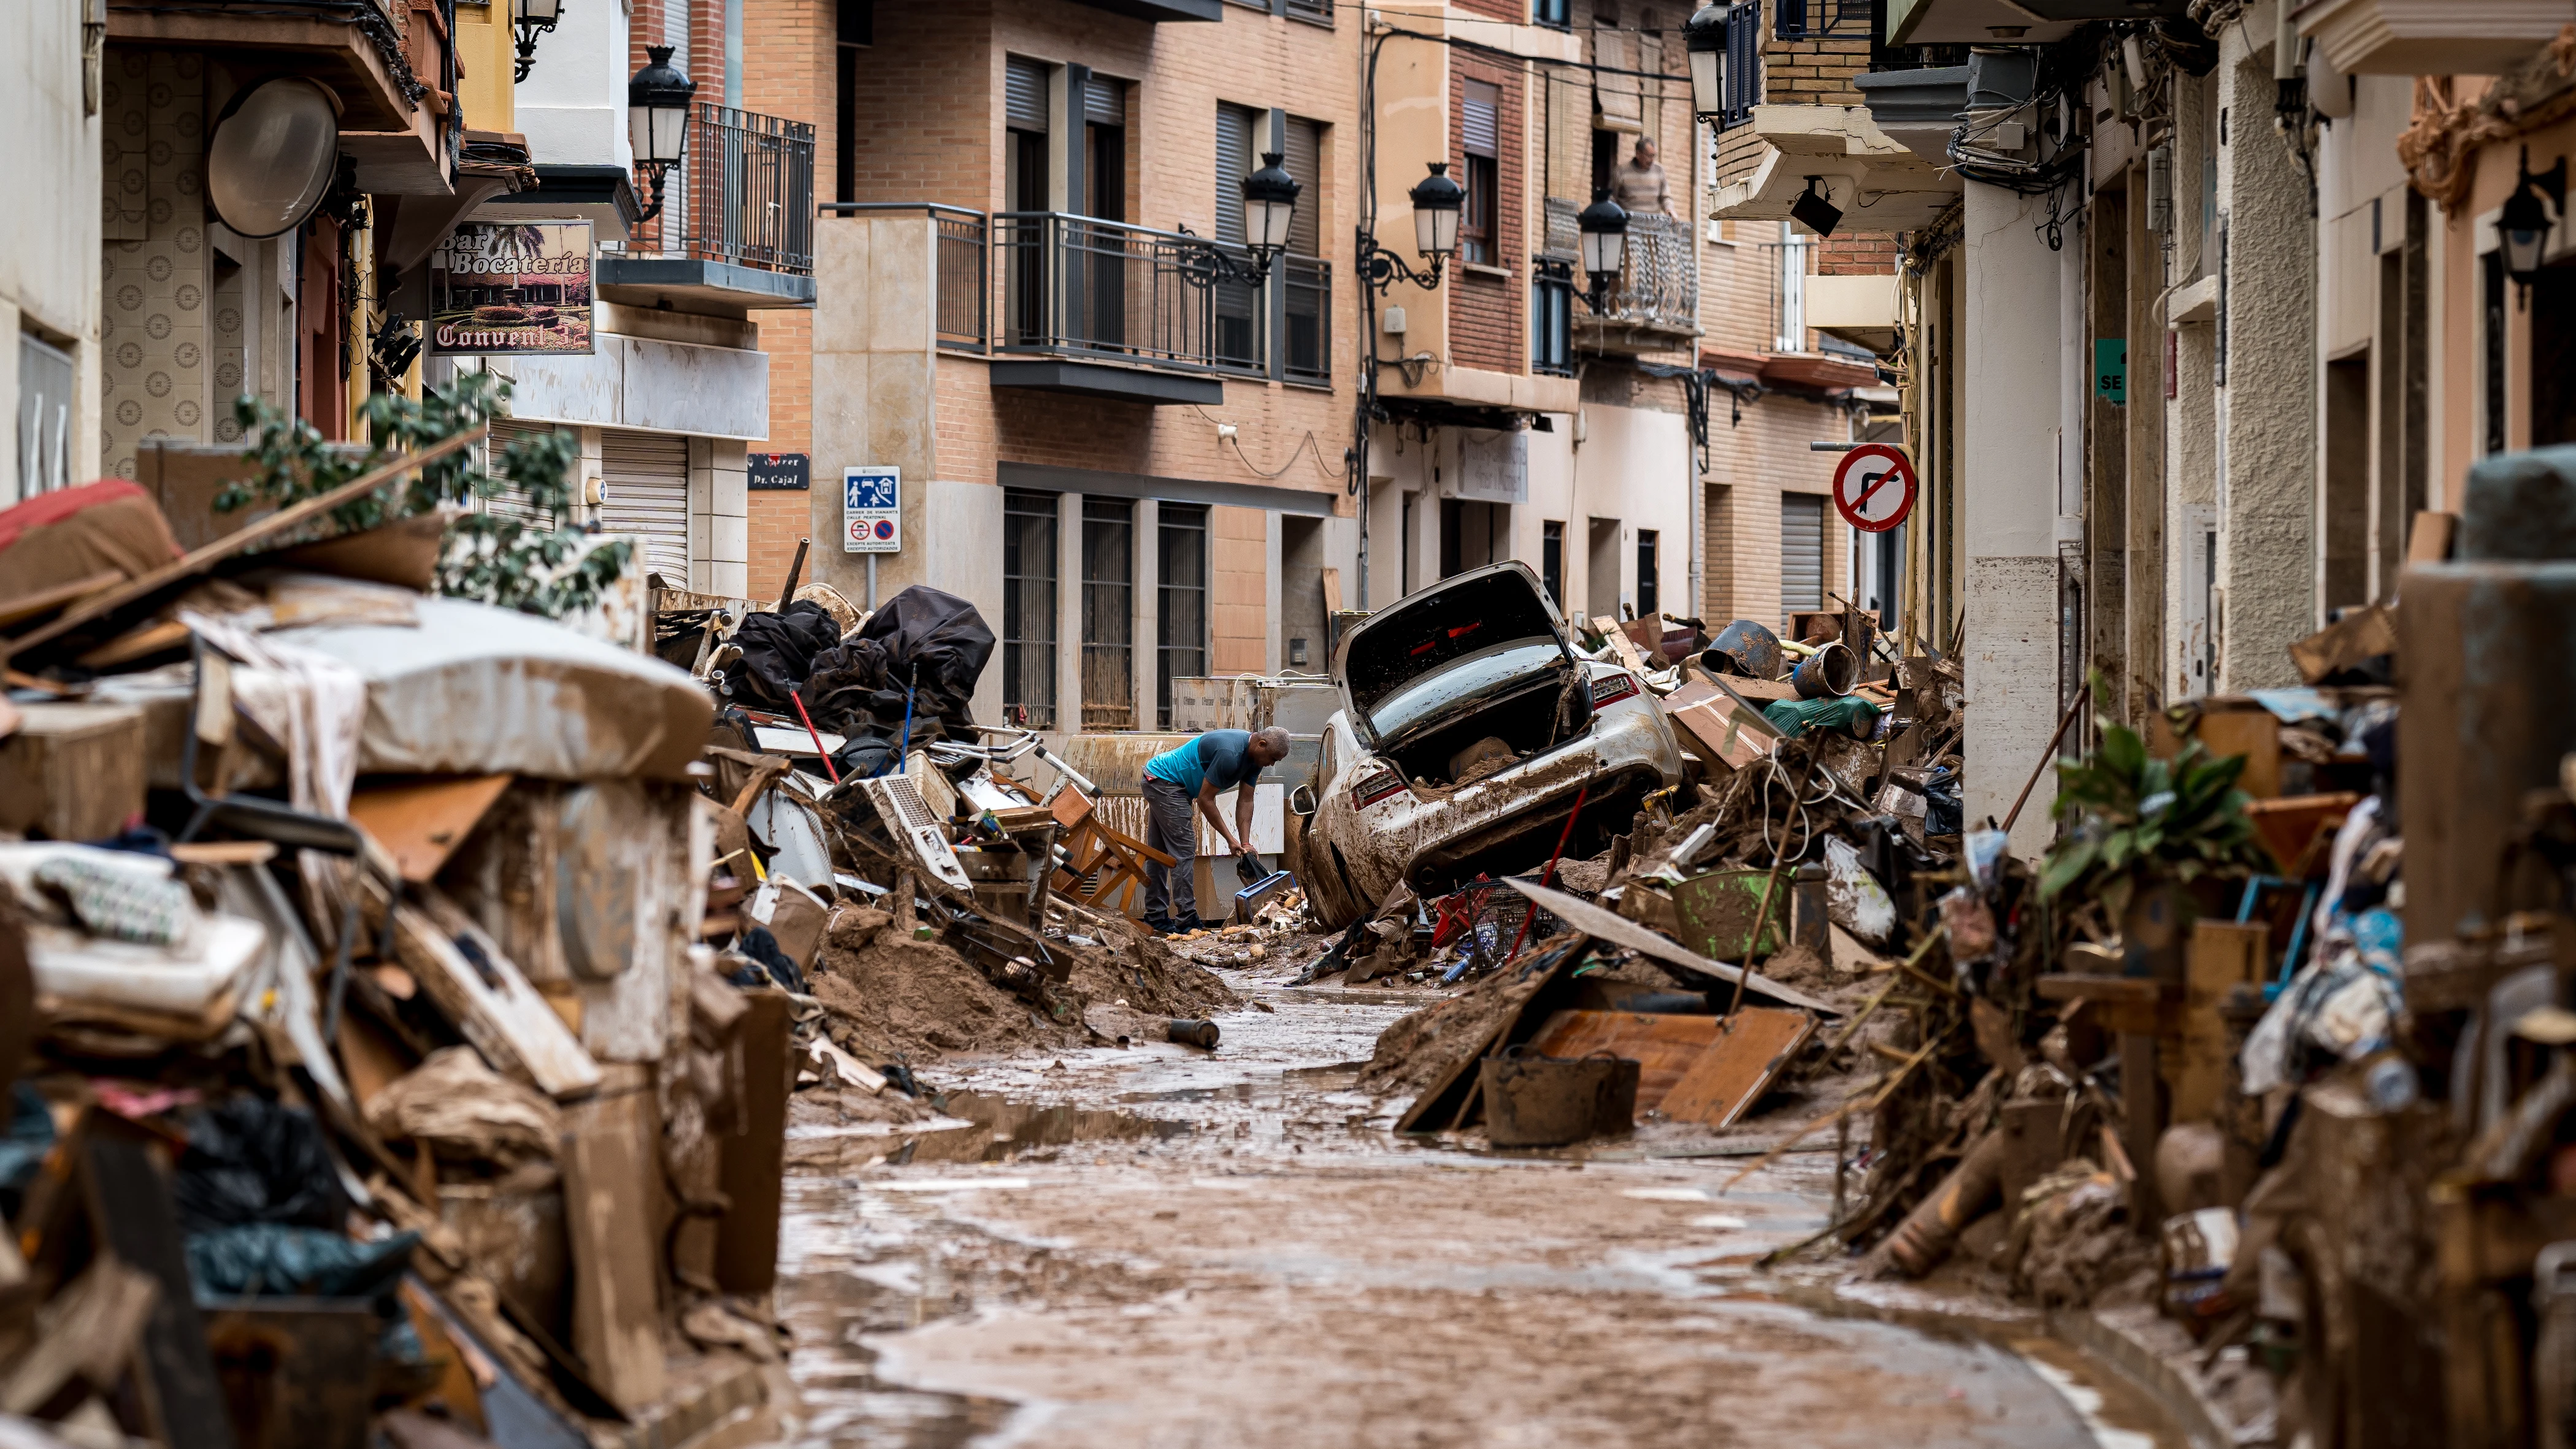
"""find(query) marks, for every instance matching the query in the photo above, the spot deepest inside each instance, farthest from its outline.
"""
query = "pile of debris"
(371, 959)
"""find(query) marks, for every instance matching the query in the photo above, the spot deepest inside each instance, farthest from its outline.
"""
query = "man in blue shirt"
(1196, 773)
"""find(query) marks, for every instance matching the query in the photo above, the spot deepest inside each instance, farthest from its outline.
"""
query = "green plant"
(2135, 822)
(532, 558)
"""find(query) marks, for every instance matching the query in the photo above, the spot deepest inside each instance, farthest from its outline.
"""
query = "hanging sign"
(1874, 487)
(512, 287)
(871, 510)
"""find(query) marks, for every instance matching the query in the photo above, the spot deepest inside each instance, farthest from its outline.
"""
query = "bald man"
(1195, 773)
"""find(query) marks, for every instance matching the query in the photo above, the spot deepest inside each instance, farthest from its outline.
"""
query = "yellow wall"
(484, 47)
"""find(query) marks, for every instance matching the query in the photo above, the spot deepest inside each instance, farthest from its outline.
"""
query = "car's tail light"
(1374, 786)
(1611, 688)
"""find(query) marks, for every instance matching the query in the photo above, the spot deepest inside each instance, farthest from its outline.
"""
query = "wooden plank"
(284, 521)
(1663, 1046)
(1446, 1101)
(1620, 646)
(750, 1175)
(490, 1001)
(2223, 956)
(421, 822)
(1751, 1050)
(1582, 915)
(609, 1173)
(27, 606)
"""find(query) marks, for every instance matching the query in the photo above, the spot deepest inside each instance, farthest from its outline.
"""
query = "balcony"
(1654, 306)
(737, 221)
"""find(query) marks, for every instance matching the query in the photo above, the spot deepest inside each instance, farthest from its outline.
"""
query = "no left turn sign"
(1874, 487)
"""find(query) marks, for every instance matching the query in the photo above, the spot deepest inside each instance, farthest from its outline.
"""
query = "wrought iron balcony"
(1655, 302)
(746, 192)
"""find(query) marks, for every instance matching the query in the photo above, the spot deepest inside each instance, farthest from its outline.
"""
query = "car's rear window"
(1465, 681)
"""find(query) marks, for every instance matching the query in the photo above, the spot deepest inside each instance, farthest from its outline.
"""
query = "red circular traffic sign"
(1874, 487)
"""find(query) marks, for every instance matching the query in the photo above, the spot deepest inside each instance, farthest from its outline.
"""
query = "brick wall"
(1485, 328)
(1816, 71)
(1857, 253)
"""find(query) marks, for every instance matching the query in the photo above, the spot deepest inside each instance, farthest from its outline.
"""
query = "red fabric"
(62, 503)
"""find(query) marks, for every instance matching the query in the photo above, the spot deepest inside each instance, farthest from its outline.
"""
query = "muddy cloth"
(1170, 829)
(777, 653)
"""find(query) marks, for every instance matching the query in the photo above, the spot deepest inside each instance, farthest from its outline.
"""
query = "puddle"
(843, 1402)
(1014, 1127)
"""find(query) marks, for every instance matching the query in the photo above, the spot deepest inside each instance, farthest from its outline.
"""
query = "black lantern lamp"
(532, 18)
(2524, 225)
(1437, 203)
(1604, 228)
(1269, 205)
(657, 120)
(1704, 39)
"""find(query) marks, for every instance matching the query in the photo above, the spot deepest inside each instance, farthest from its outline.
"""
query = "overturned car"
(1469, 731)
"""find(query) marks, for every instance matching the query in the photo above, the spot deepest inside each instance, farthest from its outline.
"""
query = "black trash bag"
(250, 1160)
(265, 1260)
(777, 653)
(769, 965)
(935, 642)
(1942, 806)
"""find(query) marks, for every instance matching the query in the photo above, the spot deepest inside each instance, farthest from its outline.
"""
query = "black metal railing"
(745, 193)
(1077, 285)
(964, 296)
(1658, 286)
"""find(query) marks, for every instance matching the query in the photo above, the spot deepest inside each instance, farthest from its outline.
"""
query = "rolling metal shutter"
(1802, 552)
(1025, 94)
(647, 475)
(1235, 144)
(1306, 163)
(514, 504)
(1105, 102)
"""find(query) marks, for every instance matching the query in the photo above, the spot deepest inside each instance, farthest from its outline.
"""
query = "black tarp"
(778, 652)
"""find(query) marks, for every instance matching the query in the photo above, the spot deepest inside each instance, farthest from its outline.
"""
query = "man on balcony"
(1638, 185)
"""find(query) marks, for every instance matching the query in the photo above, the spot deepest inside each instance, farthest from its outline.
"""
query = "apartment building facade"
(49, 261)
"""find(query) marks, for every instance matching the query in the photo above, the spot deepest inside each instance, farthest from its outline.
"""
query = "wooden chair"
(1090, 845)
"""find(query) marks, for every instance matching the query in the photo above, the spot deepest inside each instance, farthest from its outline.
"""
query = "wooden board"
(504, 1017)
(1749, 1053)
(73, 771)
(1447, 1099)
(746, 1258)
(2223, 956)
(1582, 915)
(421, 822)
(1664, 1047)
(609, 1172)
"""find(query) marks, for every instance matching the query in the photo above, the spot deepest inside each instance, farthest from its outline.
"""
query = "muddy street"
(1155, 1246)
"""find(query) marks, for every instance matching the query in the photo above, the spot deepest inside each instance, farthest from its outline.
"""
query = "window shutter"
(1105, 103)
(1025, 87)
(1480, 117)
(1234, 149)
(1306, 163)
(1743, 62)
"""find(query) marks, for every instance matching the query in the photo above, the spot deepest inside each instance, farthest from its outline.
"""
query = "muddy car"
(1467, 732)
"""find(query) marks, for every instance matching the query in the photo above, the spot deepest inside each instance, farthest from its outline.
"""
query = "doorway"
(1601, 586)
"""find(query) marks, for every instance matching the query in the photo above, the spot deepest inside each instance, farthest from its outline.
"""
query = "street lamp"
(1604, 225)
(2524, 224)
(532, 18)
(1437, 202)
(1269, 205)
(1704, 38)
(657, 119)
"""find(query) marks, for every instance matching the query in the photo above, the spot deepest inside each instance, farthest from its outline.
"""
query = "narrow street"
(1154, 1246)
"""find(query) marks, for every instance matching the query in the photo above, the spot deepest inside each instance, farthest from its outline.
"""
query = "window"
(1028, 608)
(855, 27)
(1551, 561)
(1480, 122)
(1552, 318)
(1553, 12)
(1181, 598)
(1309, 280)
(45, 383)
(1742, 82)
(1649, 595)
(1802, 553)
(1108, 613)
